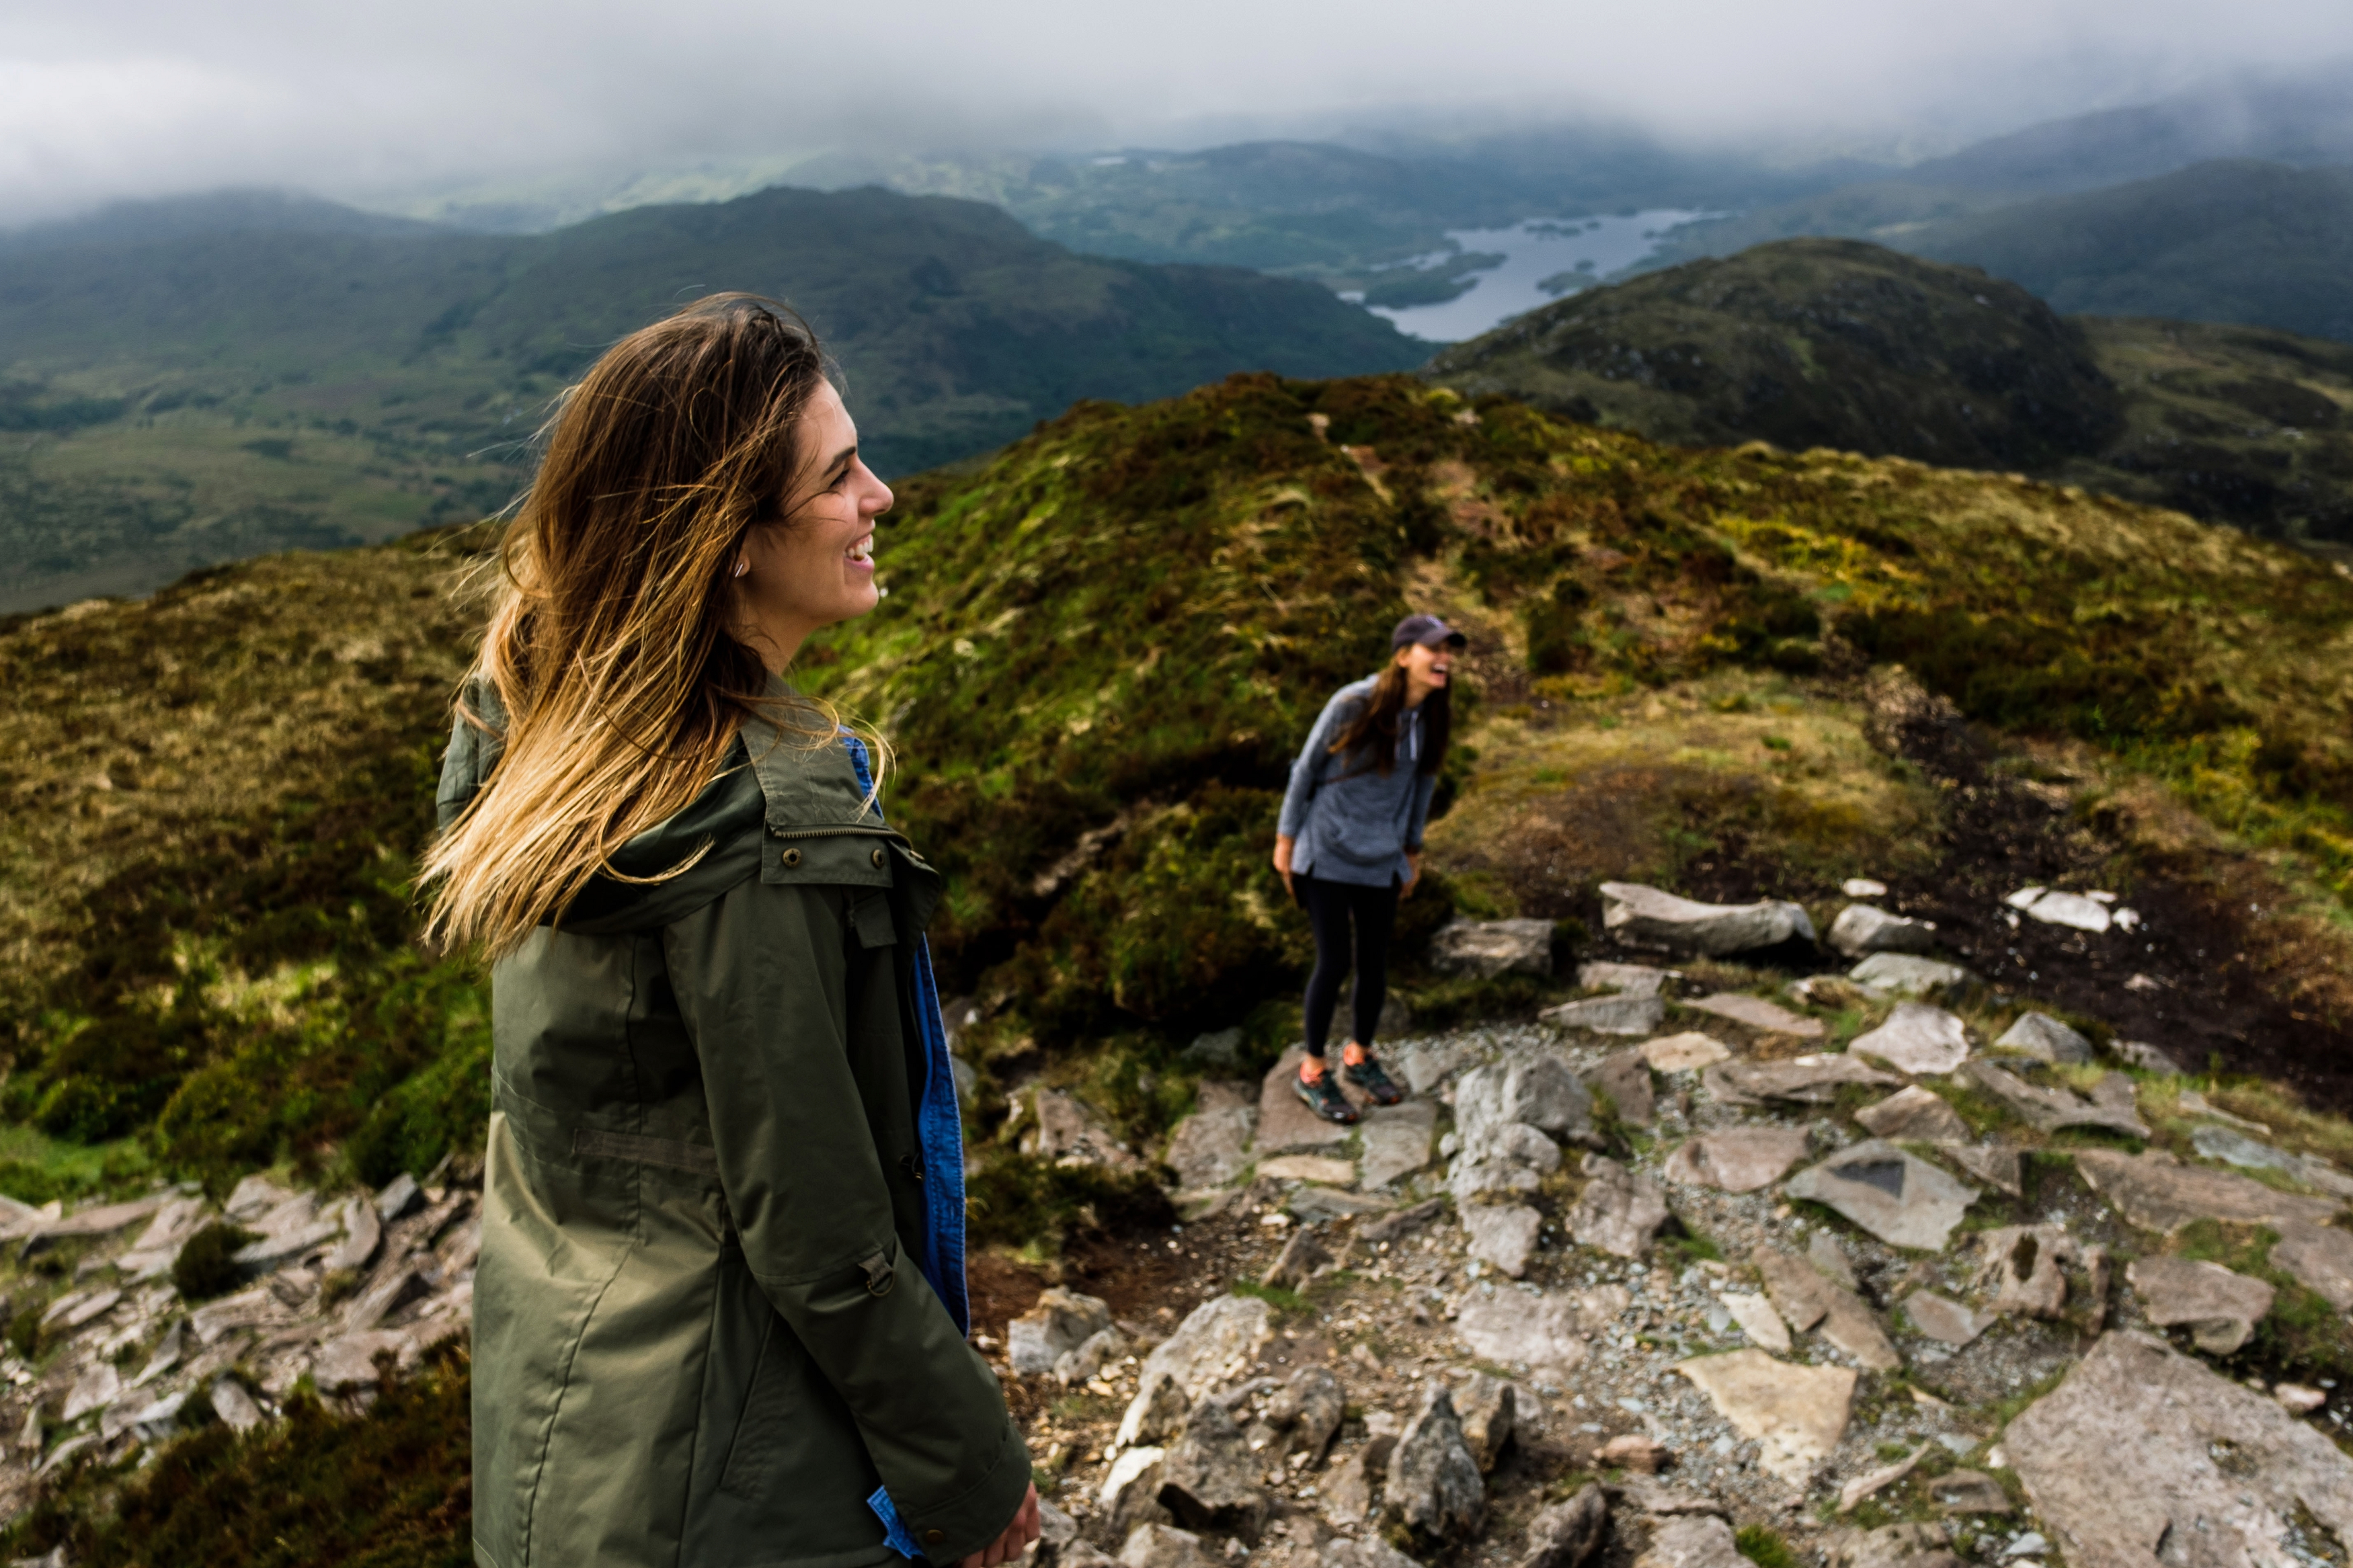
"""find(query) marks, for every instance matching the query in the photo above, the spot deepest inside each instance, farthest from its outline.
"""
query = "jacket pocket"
(767, 1421)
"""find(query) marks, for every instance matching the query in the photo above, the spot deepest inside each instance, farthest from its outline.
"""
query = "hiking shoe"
(1324, 1098)
(1367, 1076)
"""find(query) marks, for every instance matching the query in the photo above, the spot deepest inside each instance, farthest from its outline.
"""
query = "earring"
(742, 566)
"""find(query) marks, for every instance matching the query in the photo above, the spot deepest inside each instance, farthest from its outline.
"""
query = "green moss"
(206, 1266)
(1285, 1302)
(1764, 1546)
(1013, 1200)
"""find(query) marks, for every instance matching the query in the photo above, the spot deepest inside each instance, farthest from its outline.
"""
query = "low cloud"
(381, 103)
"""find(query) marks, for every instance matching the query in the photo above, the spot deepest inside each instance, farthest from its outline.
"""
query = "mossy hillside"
(1098, 656)
(216, 796)
(1833, 342)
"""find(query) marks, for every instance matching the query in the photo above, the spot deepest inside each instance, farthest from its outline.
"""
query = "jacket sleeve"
(1424, 786)
(761, 978)
(1307, 773)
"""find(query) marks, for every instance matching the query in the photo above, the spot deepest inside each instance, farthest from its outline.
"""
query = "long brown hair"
(1372, 734)
(609, 647)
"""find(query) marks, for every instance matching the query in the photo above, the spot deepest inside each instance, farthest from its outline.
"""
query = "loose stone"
(1898, 1197)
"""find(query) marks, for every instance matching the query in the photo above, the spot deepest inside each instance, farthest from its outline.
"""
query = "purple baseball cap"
(1427, 631)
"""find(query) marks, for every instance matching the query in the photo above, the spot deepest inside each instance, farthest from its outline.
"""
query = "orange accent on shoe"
(1355, 1055)
(1311, 1069)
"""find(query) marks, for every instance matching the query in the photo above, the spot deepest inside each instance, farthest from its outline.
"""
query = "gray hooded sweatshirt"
(1352, 823)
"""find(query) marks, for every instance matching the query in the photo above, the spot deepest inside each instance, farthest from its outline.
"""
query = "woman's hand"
(1282, 864)
(1412, 873)
(1014, 1541)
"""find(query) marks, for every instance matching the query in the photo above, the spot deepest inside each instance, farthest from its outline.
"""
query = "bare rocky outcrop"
(1502, 1233)
(1209, 1477)
(2207, 1462)
(1863, 929)
(1215, 1342)
(1807, 1300)
(1568, 1534)
(1489, 948)
(1486, 1407)
(1737, 1159)
(1914, 1115)
(1917, 1040)
(2219, 1308)
(1059, 1323)
(2109, 1105)
(1434, 1489)
(1648, 917)
(2045, 1038)
(1794, 1414)
(1897, 1196)
(1620, 1211)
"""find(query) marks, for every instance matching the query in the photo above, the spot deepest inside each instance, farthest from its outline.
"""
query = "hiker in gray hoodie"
(1349, 843)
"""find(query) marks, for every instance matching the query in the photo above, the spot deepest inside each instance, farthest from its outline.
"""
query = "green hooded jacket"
(719, 1317)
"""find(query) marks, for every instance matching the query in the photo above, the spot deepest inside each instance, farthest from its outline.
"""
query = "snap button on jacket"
(718, 1307)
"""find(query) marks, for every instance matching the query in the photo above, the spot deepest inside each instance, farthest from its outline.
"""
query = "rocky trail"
(1731, 1258)
(131, 1322)
(1870, 1266)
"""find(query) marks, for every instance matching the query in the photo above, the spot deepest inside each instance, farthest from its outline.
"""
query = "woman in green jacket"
(720, 1314)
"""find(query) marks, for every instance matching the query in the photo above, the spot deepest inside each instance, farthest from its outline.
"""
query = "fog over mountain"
(135, 98)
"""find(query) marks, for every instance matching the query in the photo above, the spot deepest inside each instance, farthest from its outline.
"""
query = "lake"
(1535, 250)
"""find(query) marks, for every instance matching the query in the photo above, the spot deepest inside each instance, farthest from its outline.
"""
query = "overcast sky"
(379, 103)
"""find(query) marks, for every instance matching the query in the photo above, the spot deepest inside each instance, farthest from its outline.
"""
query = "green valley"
(216, 392)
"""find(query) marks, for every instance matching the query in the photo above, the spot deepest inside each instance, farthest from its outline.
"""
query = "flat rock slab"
(2141, 1445)
(1650, 917)
(1914, 1115)
(1504, 1234)
(350, 1362)
(1758, 1014)
(1795, 1414)
(1549, 1331)
(1917, 1040)
(1758, 1319)
(1804, 1081)
(1940, 1318)
(1286, 1125)
(1907, 974)
(1995, 1164)
(1211, 1147)
(1396, 1140)
(2156, 1192)
(1692, 1540)
(2071, 909)
(1626, 979)
(1685, 1052)
(2045, 1038)
(2219, 1308)
(1737, 1159)
(1620, 1014)
(1314, 1203)
(1806, 1300)
(1860, 929)
(1321, 1168)
(1489, 948)
(2110, 1104)
(1898, 1197)
(1969, 1491)
(2321, 1259)
(2235, 1148)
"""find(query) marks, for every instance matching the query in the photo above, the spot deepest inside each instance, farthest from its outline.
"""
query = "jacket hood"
(769, 780)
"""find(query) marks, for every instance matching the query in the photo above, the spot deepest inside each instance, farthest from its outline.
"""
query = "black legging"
(1330, 908)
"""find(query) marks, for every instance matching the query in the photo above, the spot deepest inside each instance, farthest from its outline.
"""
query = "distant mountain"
(2259, 244)
(1345, 216)
(1825, 343)
(214, 212)
(225, 391)
(2304, 118)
